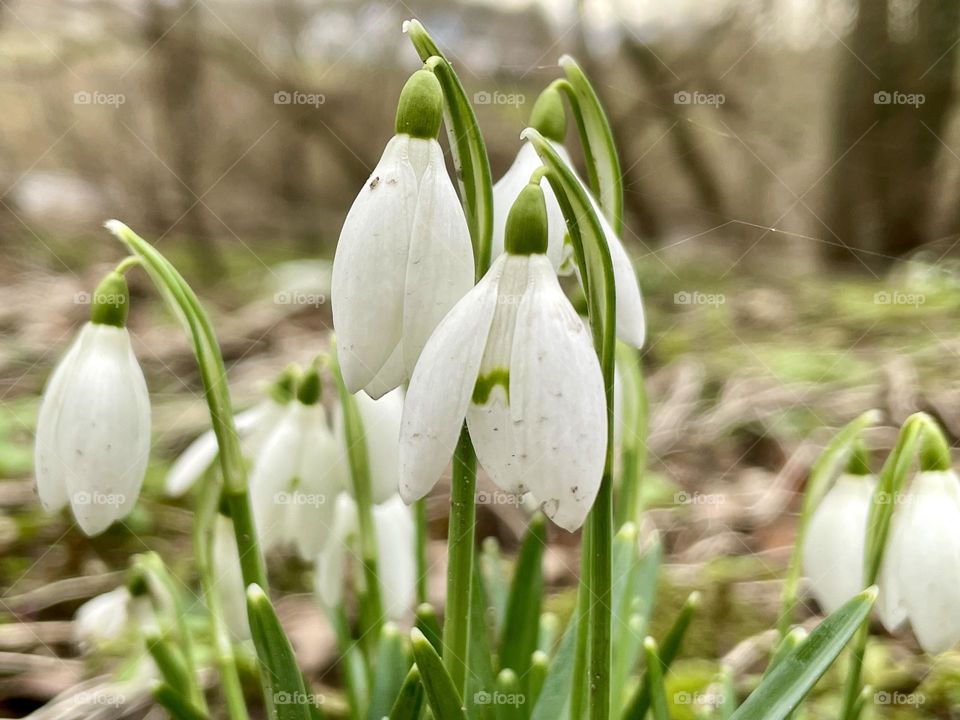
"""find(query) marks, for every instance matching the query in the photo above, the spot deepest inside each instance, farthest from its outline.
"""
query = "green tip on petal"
(420, 109)
(308, 392)
(548, 116)
(110, 301)
(526, 232)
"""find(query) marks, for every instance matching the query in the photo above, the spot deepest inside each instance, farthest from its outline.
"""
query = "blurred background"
(792, 170)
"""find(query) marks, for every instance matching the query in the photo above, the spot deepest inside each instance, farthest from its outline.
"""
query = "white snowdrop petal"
(928, 563)
(834, 546)
(320, 479)
(439, 267)
(255, 428)
(330, 563)
(103, 429)
(275, 467)
(367, 283)
(49, 468)
(229, 578)
(381, 425)
(396, 538)
(631, 323)
(442, 385)
(557, 405)
(102, 618)
(890, 607)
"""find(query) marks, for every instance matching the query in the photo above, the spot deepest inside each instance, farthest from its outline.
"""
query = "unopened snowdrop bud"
(514, 358)
(93, 427)
(834, 546)
(922, 561)
(404, 256)
(252, 425)
(297, 474)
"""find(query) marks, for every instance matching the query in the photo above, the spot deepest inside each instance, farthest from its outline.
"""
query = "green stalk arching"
(826, 466)
(596, 270)
(203, 530)
(635, 410)
(363, 494)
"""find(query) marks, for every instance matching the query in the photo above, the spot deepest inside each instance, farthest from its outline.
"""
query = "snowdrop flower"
(514, 358)
(381, 429)
(106, 618)
(253, 427)
(921, 570)
(549, 119)
(833, 551)
(296, 475)
(93, 427)
(404, 256)
(229, 578)
(396, 560)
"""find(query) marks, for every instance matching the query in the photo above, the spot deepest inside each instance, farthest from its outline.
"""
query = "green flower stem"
(420, 518)
(892, 478)
(363, 494)
(581, 656)
(460, 539)
(635, 411)
(830, 462)
(203, 533)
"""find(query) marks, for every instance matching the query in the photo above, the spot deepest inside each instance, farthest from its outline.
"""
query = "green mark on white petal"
(110, 301)
(486, 384)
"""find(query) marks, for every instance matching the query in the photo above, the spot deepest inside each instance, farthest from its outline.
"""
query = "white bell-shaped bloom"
(381, 427)
(295, 478)
(396, 555)
(514, 358)
(404, 256)
(106, 618)
(924, 559)
(833, 550)
(228, 578)
(93, 430)
(253, 427)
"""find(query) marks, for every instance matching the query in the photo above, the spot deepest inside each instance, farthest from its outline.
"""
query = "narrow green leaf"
(391, 669)
(549, 633)
(658, 693)
(176, 704)
(410, 699)
(599, 149)
(466, 145)
(787, 684)
(494, 580)
(522, 622)
(636, 708)
(427, 622)
(556, 688)
(169, 661)
(481, 677)
(539, 667)
(728, 696)
(287, 699)
(442, 694)
(786, 646)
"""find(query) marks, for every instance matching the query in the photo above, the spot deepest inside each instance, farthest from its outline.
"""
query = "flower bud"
(527, 223)
(110, 301)
(308, 392)
(420, 109)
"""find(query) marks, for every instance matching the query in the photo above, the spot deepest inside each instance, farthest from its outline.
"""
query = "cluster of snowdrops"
(455, 339)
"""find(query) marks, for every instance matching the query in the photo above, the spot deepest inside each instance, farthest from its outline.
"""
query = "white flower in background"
(549, 119)
(297, 474)
(106, 618)
(229, 578)
(404, 256)
(253, 427)
(93, 426)
(381, 429)
(514, 358)
(921, 570)
(833, 550)
(396, 558)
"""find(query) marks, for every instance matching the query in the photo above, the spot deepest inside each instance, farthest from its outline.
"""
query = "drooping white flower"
(381, 428)
(93, 426)
(296, 475)
(923, 556)
(404, 256)
(228, 578)
(833, 551)
(106, 618)
(253, 427)
(396, 559)
(549, 118)
(514, 358)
